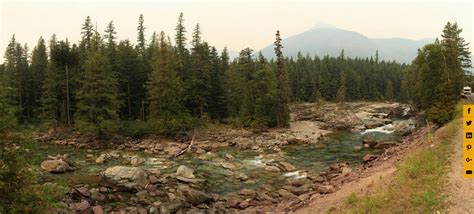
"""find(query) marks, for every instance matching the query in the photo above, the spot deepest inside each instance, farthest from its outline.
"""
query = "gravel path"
(460, 189)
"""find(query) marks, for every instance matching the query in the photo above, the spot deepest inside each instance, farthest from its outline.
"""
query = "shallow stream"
(313, 158)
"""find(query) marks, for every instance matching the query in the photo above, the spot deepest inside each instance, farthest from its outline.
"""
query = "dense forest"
(103, 85)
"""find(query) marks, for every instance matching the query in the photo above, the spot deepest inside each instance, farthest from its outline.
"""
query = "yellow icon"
(468, 110)
(468, 136)
(468, 123)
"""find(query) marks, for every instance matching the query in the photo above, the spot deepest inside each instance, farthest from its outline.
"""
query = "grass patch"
(418, 186)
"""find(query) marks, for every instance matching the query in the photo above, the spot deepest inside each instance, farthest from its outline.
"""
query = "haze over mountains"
(324, 40)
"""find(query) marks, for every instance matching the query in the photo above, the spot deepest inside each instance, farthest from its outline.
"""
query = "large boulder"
(125, 178)
(56, 166)
(194, 196)
(404, 127)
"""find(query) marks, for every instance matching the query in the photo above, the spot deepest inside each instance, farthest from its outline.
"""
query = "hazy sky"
(233, 24)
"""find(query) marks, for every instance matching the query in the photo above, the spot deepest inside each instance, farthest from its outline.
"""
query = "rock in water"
(124, 178)
(55, 166)
(194, 196)
(272, 168)
(229, 166)
(229, 157)
(370, 142)
(287, 166)
(100, 159)
(185, 171)
(136, 160)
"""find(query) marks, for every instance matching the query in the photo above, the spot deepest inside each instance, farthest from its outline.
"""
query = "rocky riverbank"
(224, 169)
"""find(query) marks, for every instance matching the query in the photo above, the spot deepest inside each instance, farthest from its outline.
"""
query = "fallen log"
(188, 148)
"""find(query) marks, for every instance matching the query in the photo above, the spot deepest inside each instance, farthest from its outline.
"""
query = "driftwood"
(188, 148)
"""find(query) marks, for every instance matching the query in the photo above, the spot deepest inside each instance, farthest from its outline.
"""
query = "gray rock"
(136, 160)
(272, 168)
(229, 166)
(125, 178)
(287, 166)
(194, 196)
(185, 172)
(229, 157)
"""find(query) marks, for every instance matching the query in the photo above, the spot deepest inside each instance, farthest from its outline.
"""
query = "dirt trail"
(460, 189)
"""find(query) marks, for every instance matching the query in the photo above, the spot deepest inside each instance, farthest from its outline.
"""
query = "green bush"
(20, 192)
(172, 125)
(135, 128)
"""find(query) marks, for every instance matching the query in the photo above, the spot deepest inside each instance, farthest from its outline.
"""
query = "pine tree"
(264, 90)
(389, 90)
(181, 51)
(341, 95)
(180, 37)
(283, 88)
(165, 91)
(110, 36)
(141, 37)
(132, 78)
(98, 104)
(217, 105)
(39, 66)
(87, 34)
(197, 83)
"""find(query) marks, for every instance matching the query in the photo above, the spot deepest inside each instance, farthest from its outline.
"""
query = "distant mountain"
(328, 40)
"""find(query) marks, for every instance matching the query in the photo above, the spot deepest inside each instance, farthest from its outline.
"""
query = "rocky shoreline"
(142, 190)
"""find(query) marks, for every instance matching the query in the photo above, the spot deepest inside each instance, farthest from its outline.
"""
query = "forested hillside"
(103, 85)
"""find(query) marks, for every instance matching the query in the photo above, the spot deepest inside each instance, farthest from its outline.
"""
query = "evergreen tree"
(283, 89)
(132, 78)
(341, 95)
(389, 90)
(197, 83)
(181, 51)
(38, 68)
(87, 34)
(165, 91)
(98, 104)
(141, 37)
(217, 105)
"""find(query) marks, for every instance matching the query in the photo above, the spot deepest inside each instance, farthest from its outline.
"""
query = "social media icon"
(469, 122)
(468, 160)
(468, 110)
(468, 172)
(468, 147)
(468, 135)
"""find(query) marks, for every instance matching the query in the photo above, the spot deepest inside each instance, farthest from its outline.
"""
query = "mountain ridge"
(325, 39)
